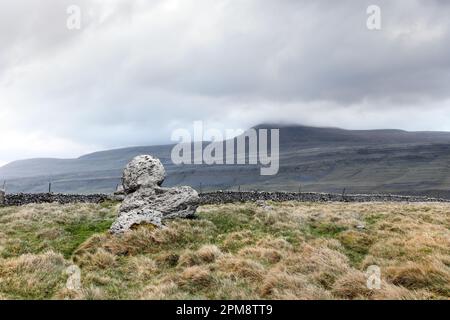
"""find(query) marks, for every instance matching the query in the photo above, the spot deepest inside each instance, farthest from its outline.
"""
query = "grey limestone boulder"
(146, 201)
(143, 171)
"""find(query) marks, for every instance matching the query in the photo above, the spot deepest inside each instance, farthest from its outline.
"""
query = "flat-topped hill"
(317, 159)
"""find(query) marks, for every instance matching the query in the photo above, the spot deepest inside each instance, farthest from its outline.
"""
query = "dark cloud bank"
(138, 69)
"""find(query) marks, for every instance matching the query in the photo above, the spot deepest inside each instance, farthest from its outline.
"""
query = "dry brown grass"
(237, 251)
(35, 276)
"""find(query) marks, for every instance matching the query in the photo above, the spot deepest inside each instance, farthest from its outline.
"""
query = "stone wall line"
(220, 197)
(20, 199)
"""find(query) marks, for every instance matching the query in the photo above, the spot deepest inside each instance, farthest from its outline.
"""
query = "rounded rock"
(143, 171)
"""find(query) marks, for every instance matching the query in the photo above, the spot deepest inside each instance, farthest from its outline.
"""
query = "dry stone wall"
(20, 199)
(220, 197)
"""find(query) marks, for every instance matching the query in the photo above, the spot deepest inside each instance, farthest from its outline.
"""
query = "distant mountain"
(313, 159)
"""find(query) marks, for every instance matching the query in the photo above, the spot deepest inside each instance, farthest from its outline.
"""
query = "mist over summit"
(311, 159)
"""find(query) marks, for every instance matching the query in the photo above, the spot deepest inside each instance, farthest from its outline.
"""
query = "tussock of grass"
(235, 251)
(32, 276)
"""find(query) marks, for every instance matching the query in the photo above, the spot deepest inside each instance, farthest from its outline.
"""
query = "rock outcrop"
(146, 201)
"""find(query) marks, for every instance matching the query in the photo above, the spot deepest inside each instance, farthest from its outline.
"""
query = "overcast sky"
(138, 69)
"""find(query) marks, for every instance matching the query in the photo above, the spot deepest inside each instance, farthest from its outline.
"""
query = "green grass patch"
(78, 232)
(373, 218)
(356, 245)
(324, 229)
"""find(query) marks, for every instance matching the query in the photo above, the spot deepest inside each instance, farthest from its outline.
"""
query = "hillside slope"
(317, 159)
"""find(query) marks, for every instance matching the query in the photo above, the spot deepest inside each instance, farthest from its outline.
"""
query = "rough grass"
(239, 251)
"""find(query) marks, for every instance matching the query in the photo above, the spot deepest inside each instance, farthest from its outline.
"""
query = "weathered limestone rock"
(263, 204)
(146, 201)
(143, 171)
(128, 219)
(180, 202)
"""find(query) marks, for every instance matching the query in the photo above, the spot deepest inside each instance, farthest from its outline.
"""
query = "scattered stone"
(146, 201)
(263, 204)
(73, 282)
(260, 203)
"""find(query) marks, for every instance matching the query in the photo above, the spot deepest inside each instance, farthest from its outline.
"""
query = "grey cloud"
(138, 69)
